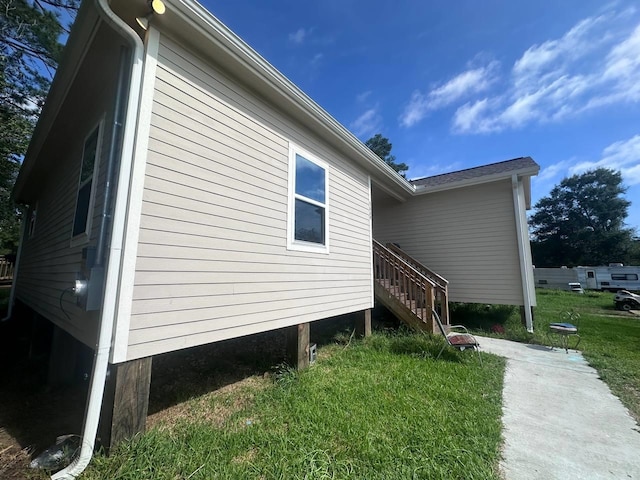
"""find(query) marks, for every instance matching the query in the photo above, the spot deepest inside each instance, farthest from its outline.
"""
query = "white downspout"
(107, 316)
(521, 230)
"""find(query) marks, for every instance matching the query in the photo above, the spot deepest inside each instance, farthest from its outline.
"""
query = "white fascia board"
(215, 31)
(477, 181)
(524, 250)
(527, 192)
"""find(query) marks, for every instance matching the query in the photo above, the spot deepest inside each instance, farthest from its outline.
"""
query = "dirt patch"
(12, 464)
(246, 457)
(214, 408)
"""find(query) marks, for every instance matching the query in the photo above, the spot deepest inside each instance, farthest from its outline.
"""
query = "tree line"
(582, 222)
(30, 48)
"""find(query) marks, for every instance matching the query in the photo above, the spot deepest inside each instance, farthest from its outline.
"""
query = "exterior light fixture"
(157, 7)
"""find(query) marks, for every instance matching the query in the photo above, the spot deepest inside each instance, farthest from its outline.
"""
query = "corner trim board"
(523, 253)
(132, 188)
(373, 295)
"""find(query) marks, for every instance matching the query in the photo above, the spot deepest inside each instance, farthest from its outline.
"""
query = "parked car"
(625, 300)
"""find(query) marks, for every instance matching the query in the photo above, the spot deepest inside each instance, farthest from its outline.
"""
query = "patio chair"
(459, 340)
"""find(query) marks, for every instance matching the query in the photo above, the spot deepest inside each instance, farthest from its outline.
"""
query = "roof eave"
(191, 12)
(525, 172)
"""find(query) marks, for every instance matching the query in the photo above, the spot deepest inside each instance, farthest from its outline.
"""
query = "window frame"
(624, 277)
(83, 237)
(292, 242)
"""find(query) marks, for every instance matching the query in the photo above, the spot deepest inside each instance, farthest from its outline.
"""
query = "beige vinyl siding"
(212, 259)
(49, 263)
(467, 235)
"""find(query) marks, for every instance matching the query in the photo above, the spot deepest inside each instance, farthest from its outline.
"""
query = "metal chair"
(564, 331)
(567, 328)
(459, 340)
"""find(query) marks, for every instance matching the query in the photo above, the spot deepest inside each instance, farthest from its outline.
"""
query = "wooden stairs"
(409, 289)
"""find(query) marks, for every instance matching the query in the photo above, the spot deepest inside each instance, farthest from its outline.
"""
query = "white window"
(86, 186)
(308, 202)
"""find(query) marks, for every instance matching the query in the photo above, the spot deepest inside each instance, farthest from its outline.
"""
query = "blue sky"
(459, 84)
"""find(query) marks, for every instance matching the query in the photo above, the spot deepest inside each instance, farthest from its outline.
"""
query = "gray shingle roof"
(508, 166)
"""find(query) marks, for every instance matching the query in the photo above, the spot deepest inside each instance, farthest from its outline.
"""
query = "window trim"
(624, 277)
(83, 237)
(292, 243)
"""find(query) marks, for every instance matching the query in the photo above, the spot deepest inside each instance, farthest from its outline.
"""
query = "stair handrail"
(438, 279)
(406, 264)
(438, 283)
(407, 285)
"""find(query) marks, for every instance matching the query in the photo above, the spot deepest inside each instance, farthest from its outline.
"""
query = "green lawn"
(383, 408)
(610, 338)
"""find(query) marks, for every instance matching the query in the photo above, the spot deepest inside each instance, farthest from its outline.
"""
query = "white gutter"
(107, 316)
(217, 32)
(525, 261)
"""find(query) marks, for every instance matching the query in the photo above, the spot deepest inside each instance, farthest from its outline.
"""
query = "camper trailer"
(555, 278)
(611, 278)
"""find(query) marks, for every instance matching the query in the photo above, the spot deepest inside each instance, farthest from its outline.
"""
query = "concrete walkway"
(560, 420)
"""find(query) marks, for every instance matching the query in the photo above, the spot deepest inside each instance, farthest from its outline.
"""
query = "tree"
(581, 222)
(29, 54)
(382, 147)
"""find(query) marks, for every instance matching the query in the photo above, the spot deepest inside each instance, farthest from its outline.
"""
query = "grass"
(382, 408)
(610, 339)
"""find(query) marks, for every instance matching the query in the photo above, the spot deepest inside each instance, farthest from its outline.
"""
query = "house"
(182, 191)
(470, 226)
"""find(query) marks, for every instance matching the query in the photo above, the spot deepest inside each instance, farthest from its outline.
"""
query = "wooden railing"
(441, 283)
(6, 270)
(404, 282)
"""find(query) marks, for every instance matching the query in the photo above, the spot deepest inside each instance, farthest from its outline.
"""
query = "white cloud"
(623, 68)
(596, 63)
(470, 115)
(415, 110)
(474, 81)
(299, 35)
(468, 82)
(553, 54)
(624, 59)
(552, 172)
(632, 175)
(623, 155)
(368, 123)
